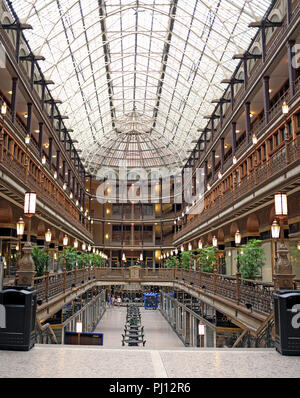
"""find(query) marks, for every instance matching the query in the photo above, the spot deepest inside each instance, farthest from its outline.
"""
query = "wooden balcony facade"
(284, 159)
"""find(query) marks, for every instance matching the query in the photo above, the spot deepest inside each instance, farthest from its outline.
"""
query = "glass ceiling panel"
(162, 59)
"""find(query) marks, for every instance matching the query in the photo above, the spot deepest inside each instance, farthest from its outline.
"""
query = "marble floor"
(164, 356)
(158, 333)
(51, 361)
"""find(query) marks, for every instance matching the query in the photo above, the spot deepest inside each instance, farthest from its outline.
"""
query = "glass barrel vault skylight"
(162, 59)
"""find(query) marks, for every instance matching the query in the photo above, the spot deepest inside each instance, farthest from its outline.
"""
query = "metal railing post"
(46, 285)
(64, 280)
(238, 287)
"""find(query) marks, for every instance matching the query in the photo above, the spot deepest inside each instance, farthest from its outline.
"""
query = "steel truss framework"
(161, 59)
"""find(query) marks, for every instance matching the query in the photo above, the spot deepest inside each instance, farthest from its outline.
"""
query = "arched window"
(276, 17)
(24, 63)
(256, 51)
(240, 76)
(11, 33)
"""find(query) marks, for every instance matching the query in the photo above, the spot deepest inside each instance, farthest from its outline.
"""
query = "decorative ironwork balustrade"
(256, 295)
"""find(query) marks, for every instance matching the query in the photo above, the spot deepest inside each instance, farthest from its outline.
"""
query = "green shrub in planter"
(172, 262)
(40, 258)
(251, 259)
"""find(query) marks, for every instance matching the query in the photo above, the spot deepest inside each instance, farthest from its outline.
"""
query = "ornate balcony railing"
(278, 38)
(257, 294)
(17, 161)
(286, 157)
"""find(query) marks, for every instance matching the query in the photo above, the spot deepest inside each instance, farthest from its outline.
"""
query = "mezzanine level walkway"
(158, 333)
(55, 361)
(229, 295)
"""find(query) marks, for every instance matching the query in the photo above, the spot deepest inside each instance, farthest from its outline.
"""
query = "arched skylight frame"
(79, 36)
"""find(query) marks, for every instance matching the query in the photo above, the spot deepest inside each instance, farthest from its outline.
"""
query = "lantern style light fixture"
(71, 195)
(3, 108)
(254, 139)
(64, 186)
(65, 240)
(285, 108)
(298, 245)
(20, 227)
(215, 241)
(219, 175)
(234, 160)
(44, 159)
(77, 203)
(208, 187)
(30, 203)
(167, 254)
(94, 250)
(83, 246)
(200, 244)
(55, 175)
(141, 257)
(89, 247)
(48, 235)
(176, 251)
(27, 139)
(190, 247)
(201, 329)
(123, 257)
(182, 248)
(237, 237)
(75, 243)
(281, 208)
(275, 230)
(78, 327)
(81, 208)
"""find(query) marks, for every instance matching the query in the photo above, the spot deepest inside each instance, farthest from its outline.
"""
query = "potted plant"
(40, 258)
(206, 258)
(187, 259)
(172, 262)
(251, 258)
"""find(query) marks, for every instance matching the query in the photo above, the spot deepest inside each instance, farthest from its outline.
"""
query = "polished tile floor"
(158, 333)
(164, 356)
(51, 361)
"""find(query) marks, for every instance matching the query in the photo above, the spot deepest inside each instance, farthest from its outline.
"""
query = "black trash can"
(17, 318)
(287, 322)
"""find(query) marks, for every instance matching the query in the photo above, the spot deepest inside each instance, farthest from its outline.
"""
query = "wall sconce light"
(65, 240)
(285, 108)
(215, 241)
(3, 108)
(254, 139)
(27, 139)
